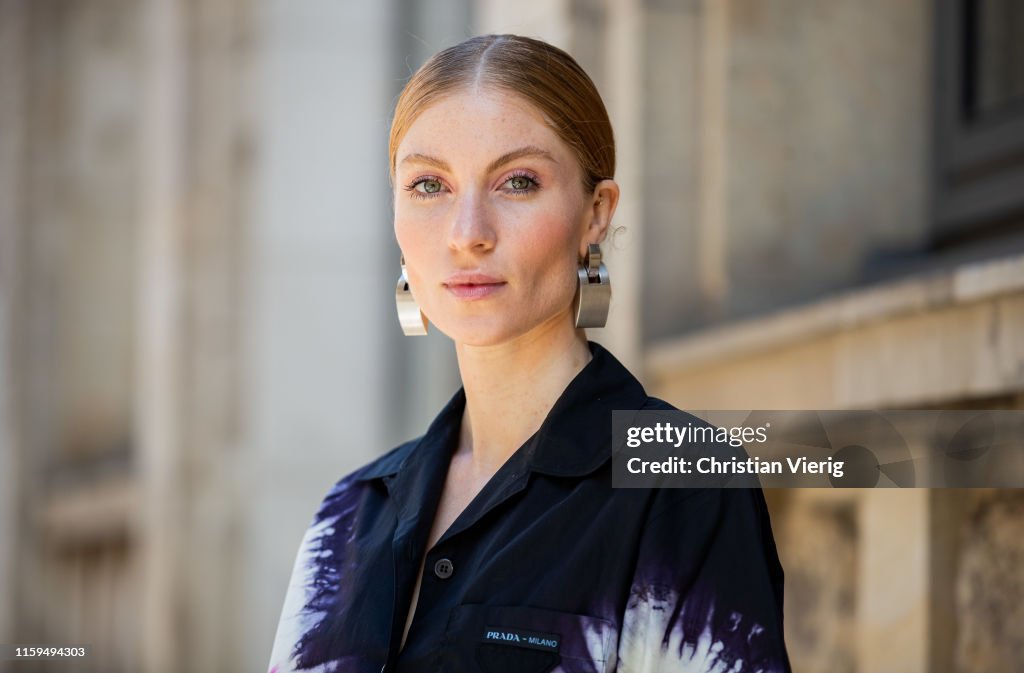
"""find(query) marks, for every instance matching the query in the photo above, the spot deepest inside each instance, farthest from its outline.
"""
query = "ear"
(599, 213)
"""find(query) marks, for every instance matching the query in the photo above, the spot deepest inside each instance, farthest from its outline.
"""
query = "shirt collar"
(574, 439)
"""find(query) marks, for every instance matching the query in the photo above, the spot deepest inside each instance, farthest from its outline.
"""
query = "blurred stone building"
(823, 208)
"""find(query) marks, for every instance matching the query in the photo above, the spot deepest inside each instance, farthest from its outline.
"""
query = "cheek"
(414, 242)
(404, 234)
(550, 254)
(415, 234)
(404, 223)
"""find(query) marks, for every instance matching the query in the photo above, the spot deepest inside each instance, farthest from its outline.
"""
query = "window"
(979, 170)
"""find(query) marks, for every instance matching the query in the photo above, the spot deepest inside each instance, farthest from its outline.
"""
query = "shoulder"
(706, 500)
(351, 485)
(657, 410)
(657, 404)
(386, 464)
(651, 405)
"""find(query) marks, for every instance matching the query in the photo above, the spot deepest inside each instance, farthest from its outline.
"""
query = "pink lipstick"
(472, 286)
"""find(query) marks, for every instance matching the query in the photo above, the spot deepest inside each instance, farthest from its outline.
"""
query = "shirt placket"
(441, 569)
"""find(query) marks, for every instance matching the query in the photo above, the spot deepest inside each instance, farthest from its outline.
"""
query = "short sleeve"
(707, 591)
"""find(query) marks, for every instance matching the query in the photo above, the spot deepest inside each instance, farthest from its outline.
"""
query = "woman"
(495, 542)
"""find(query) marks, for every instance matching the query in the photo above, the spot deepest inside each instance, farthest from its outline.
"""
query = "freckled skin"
(484, 221)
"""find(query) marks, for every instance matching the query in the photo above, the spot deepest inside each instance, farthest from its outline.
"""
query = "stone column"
(13, 27)
(160, 360)
(893, 590)
(624, 101)
(319, 313)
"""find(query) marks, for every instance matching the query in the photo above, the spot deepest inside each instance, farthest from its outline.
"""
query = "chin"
(477, 331)
(481, 337)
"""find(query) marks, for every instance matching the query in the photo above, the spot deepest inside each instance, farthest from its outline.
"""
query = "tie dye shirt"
(549, 568)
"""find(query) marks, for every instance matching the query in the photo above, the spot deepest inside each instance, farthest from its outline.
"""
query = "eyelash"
(524, 174)
(416, 194)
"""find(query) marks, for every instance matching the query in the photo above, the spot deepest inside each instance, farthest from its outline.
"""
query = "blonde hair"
(538, 72)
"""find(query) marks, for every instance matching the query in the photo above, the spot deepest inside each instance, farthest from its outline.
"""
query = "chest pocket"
(518, 639)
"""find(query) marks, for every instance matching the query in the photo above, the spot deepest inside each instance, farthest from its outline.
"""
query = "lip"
(473, 285)
(469, 278)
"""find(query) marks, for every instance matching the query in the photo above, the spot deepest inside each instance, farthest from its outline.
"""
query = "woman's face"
(492, 218)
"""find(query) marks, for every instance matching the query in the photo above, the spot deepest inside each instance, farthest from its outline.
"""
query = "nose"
(472, 227)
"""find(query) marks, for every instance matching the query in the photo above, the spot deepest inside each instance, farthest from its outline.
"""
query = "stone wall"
(989, 585)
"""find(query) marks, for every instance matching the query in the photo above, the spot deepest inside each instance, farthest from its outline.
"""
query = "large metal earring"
(413, 322)
(594, 290)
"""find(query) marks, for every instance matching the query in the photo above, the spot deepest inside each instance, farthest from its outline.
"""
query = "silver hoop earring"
(593, 291)
(413, 322)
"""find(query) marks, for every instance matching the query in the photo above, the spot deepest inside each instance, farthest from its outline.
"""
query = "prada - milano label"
(818, 449)
(521, 638)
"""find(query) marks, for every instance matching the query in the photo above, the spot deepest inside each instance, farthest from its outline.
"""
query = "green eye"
(519, 182)
(431, 186)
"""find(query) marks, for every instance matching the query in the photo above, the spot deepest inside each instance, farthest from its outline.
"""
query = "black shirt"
(549, 568)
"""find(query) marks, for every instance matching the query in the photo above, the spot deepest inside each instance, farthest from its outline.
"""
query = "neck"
(511, 387)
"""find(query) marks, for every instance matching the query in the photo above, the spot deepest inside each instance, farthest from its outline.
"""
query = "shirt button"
(443, 568)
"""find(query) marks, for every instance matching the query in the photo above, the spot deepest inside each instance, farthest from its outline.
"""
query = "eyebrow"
(526, 151)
